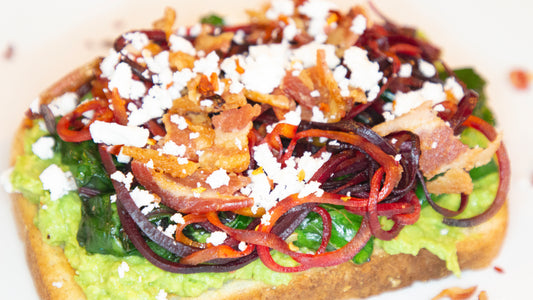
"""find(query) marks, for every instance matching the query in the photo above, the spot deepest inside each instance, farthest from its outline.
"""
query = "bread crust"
(384, 272)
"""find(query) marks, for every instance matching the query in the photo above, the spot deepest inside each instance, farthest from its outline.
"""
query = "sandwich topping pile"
(308, 131)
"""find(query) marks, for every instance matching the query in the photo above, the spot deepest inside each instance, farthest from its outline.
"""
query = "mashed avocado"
(101, 276)
(109, 277)
(429, 232)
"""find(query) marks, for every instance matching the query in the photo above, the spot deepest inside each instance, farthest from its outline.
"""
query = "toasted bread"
(384, 272)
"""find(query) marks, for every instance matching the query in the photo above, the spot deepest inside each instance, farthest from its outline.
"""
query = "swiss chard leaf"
(344, 227)
(84, 163)
(100, 230)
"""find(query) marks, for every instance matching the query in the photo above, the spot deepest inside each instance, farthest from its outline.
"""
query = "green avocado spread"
(104, 276)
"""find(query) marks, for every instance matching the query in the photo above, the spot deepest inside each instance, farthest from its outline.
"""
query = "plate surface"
(43, 40)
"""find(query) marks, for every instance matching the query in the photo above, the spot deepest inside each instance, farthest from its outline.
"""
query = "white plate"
(49, 38)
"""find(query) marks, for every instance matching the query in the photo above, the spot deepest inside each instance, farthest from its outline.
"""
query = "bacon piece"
(179, 195)
(181, 60)
(296, 89)
(207, 42)
(441, 150)
(330, 102)
(342, 36)
(453, 181)
(236, 119)
(162, 162)
(280, 101)
(166, 22)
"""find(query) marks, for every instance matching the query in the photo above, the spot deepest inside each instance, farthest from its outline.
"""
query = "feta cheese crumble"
(217, 238)
(116, 134)
(218, 178)
(365, 73)
(122, 269)
(162, 295)
(63, 104)
(43, 147)
(56, 181)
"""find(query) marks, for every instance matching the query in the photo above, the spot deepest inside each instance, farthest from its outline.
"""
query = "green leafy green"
(344, 227)
(84, 162)
(213, 19)
(100, 230)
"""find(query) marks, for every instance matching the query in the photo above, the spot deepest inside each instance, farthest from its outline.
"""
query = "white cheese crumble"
(172, 148)
(179, 120)
(127, 179)
(116, 134)
(318, 12)
(398, 157)
(56, 181)
(162, 295)
(127, 87)
(312, 187)
(178, 43)
(35, 106)
(144, 199)
(439, 108)
(206, 103)
(170, 230)
(217, 238)
(450, 84)
(405, 102)
(108, 64)
(242, 246)
(207, 65)
(122, 158)
(153, 106)
(63, 104)
(280, 8)
(264, 67)
(293, 117)
(138, 40)
(405, 70)
(43, 147)
(427, 69)
(239, 37)
(292, 179)
(177, 218)
(365, 73)
(358, 25)
(307, 54)
(194, 135)
(122, 269)
(218, 178)
(318, 115)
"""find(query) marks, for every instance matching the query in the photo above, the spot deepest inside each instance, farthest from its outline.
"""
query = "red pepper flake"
(456, 293)
(9, 52)
(520, 78)
(498, 269)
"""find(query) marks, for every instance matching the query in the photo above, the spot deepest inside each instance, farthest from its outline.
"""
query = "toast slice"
(54, 277)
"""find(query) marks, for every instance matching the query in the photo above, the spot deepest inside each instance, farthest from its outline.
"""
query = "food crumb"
(520, 78)
(483, 295)
(498, 269)
(456, 293)
(9, 52)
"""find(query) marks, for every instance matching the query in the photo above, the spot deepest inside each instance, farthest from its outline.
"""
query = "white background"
(50, 38)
